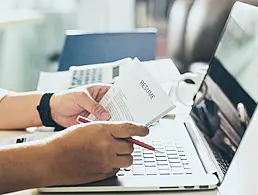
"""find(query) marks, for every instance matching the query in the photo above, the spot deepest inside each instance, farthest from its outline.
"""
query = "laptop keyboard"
(171, 160)
(223, 163)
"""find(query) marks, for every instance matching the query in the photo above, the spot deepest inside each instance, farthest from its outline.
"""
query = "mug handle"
(186, 76)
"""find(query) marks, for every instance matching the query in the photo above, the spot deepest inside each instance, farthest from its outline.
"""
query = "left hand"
(65, 108)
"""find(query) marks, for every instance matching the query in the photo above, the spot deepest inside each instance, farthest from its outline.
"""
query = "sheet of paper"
(163, 70)
(137, 96)
(166, 86)
(53, 81)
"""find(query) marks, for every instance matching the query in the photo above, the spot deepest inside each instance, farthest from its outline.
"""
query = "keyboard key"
(137, 158)
(128, 169)
(148, 155)
(174, 160)
(137, 162)
(121, 172)
(173, 157)
(188, 171)
(150, 164)
(162, 163)
(147, 152)
(185, 162)
(137, 155)
(138, 170)
(187, 167)
(161, 158)
(175, 165)
(163, 167)
(164, 172)
(160, 151)
(137, 151)
(183, 158)
(181, 153)
(151, 171)
(171, 152)
(169, 148)
(177, 171)
(160, 154)
(149, 159)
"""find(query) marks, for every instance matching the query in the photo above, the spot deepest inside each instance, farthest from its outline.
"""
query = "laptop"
(81, 48)
(197, 153)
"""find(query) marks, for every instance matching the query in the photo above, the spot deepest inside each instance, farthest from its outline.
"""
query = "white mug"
(184, 92)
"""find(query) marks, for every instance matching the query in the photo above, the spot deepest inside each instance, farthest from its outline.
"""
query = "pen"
(82, 120)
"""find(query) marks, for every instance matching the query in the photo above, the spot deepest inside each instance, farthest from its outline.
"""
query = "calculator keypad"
(87, 76)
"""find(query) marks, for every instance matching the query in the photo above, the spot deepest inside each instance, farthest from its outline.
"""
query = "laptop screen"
(227, 97)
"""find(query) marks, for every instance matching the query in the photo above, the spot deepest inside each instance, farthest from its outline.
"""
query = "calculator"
(98, 73)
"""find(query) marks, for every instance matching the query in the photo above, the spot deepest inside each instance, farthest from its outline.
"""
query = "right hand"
(92, 152)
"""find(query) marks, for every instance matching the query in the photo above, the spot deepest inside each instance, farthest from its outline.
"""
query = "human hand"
(65, 107)
(91, 152)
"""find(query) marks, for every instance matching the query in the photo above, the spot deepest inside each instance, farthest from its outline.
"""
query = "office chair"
(90, 48)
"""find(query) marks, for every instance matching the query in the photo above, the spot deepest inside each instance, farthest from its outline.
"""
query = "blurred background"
(32, 32)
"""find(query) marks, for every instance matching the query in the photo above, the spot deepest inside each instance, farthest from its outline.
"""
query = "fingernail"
(82, 119)
(105, 116)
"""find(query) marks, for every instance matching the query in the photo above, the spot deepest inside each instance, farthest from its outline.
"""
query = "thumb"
(98, 111)
(93, 107)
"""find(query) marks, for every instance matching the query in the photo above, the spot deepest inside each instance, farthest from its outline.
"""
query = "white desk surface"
(13, 17)
(32, 192)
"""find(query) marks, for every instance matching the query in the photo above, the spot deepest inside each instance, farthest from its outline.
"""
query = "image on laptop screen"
(228, 95)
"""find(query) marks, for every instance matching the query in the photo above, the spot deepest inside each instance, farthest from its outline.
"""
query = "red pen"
(82, 119)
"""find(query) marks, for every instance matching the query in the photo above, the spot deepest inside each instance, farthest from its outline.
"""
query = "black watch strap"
(45, 112)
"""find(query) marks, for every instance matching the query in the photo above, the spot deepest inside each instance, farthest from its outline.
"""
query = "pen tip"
(158, 151)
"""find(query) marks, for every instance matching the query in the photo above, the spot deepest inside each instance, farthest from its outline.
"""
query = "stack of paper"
(137, 96)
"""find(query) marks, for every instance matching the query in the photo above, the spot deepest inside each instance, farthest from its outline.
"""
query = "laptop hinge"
(200, 147)
(217, 175)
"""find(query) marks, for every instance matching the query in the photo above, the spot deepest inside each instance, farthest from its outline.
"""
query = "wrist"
(56, 162)
(48, 162)
(53, 105)
(45, 165)
(47, 111)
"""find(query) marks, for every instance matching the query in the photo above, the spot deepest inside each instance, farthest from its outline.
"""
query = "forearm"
(19, 111)
(24, 168)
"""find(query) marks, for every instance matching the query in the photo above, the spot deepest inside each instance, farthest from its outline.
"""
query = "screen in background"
(225, 101)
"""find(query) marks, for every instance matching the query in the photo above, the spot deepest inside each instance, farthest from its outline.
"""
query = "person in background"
(79, 154)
